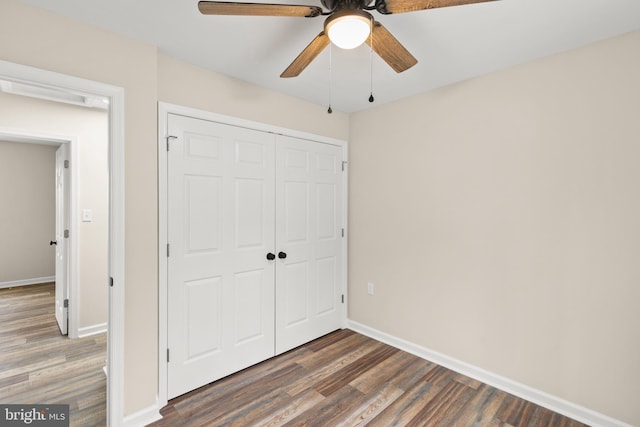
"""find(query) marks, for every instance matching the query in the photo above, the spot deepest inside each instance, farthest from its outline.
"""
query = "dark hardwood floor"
(39, 365)
(341, 379)
(347, 379)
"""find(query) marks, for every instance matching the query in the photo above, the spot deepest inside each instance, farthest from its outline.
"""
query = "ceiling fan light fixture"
(347, 28)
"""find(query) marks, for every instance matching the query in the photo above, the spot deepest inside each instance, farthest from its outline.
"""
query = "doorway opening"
(73, 87)
(40, 185)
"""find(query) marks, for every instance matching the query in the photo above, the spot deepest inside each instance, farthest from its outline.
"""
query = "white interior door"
(61, 242)
(220, 229)
(309, 231)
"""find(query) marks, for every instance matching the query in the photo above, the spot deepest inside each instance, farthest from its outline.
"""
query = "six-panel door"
(235, 196)
(308, 231)
(221, 216)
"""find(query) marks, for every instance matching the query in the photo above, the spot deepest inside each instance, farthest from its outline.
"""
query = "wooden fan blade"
(390, 49)
(309, 53)
(401, 6)
(257, 9)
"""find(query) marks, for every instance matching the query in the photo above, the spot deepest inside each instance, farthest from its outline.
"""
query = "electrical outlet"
(370, 288)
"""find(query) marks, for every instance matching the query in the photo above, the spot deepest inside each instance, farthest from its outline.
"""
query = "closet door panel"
(234, 196)
(221, 194)
(308, 231)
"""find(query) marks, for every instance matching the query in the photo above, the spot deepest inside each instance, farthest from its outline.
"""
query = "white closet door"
(308, 230)
(221, 226)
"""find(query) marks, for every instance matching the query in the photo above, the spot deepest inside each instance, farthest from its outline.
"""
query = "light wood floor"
(347, 379)
(39, 365)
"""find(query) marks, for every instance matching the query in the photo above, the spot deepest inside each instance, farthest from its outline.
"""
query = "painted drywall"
(450, 192)
(90, 128)
(27, 216)
(187, 85)
(498, 220)
(62, 45)
(55, 43)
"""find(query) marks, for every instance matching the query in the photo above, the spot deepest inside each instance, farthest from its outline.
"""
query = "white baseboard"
(143, 417)
(92, 330)
(24, 282)
(538, 397)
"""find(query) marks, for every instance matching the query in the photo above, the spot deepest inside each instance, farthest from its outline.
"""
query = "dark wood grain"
(308, 54)
(347, 379)
(402, 6)
(39, 365)
(390, 49)
(257, 9)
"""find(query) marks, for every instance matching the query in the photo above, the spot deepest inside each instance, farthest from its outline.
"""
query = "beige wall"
(55, 43)
(498, 220)
(90, 128)
(27, 216)
(495, 217)
(183, 84)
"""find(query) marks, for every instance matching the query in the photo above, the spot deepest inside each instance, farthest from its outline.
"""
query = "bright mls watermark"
(34, 415)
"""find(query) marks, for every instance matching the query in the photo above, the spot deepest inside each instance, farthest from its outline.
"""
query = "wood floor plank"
(330, 349)
(512, 410)
(331, 410)
(347, 374)
(240, 379)
(14, 379)
(347, 379)
(286, 411)
(236, 400)
(482, 408)
(370, 408)
(397, 370)
(332, 366)
(406, 406)
(238, 387)
(444, 407)
(325, 341)
(39, 365)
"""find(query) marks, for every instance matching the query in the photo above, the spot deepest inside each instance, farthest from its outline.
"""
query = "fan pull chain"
(329, 110)
(371, 99)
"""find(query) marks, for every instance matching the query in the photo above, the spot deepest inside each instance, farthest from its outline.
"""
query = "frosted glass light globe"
(348, 30)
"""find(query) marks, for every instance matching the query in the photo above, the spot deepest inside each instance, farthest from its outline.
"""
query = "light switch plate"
(87, 215)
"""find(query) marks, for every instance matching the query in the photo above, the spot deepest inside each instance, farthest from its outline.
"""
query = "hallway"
(38, 365)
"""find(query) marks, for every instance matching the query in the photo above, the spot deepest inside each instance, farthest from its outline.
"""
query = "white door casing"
(62, 238)
(220, 228)
(168, 142)
(309, 231)
(115, 95)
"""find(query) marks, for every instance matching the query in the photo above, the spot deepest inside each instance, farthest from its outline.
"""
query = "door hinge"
(111, 281)
(167, 355)
(66, 234)
(66, 164)
(343, 298)
(344, 165)
(167, 250)
(343, 232)
(66, 303)
(169, 138)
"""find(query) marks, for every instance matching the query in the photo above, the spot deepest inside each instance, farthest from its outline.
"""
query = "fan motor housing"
(334, 5)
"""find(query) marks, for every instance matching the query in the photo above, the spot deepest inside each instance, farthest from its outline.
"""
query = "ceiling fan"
(348, 25)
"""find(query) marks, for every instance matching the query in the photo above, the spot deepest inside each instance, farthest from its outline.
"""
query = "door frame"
(164, 109)
(33, 137)
(115, 329)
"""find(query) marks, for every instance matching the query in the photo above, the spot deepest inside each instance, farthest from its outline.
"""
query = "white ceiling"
(451, 44)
